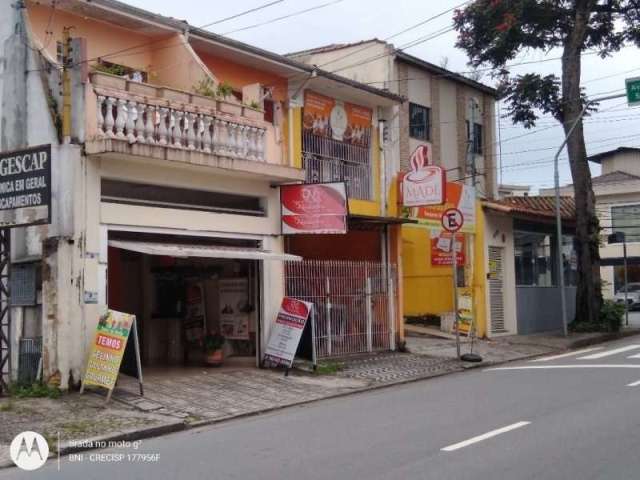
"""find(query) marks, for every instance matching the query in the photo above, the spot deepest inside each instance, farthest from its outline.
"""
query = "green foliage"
(6, 407)
(328, 368)
(112, 69)
(255, 105)
(35, 390)
(610, 320)
(224, 90)
(205, 87)
(213, 342)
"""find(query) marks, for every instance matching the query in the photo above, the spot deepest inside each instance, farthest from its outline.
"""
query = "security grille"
(23, 284)
(29, 360)
(5, 311)
(496, 289)
(354, 304)
(328, 160)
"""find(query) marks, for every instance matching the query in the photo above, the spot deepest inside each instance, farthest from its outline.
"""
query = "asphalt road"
(573, 417)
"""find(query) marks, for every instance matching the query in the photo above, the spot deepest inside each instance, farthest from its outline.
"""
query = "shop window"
(533, 259)
(180, 198)
(419, 122)
(626, 218)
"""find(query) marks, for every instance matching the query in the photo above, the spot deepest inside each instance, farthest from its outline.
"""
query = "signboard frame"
(344, 213)
(21, 178)
(632, 87)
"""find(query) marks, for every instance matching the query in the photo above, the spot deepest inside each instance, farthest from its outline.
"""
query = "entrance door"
(496, 289)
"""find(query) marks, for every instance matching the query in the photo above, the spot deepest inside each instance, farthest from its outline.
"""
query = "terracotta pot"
(214, 359)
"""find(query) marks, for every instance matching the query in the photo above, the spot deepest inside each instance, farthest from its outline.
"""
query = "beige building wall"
(628, 162)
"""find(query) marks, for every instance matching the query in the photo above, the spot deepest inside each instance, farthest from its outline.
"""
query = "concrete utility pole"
(556, 175)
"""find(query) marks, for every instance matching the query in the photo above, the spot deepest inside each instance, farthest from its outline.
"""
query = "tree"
(494, 32)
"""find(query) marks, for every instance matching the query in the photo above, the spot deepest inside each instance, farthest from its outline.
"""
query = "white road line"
(637, 355)
(551, 367)
(608, 353)
(570, 354)
(484, 436)
(634, 384)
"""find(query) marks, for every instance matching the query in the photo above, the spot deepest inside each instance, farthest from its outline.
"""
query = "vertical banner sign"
(195, 318)
(287, 331)
(234, 308)
(465, 310)
(25, 187)
(319, 208)
(107, 349)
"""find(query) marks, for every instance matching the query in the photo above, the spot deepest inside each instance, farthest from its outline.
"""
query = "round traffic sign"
(452, 220)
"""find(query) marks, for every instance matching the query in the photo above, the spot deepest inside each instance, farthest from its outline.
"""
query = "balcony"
(128, 118)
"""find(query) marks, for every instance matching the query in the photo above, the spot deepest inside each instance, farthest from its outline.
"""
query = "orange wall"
(239, 76)
(102, 38)
(355, 245)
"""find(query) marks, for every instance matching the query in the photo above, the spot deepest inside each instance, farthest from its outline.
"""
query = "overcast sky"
(354, 20)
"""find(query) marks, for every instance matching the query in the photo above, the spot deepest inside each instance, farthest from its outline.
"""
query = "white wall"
(624, 162)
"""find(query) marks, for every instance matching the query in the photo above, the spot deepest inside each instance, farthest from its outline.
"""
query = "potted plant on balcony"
(213, 354)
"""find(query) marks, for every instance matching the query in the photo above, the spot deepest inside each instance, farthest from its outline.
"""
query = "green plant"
(205, 87)
(212, 342)
(35, 390)
(224, 90)
(611, 315)
(112, 69)
(6, 407)
(255, 105)
(328, 368)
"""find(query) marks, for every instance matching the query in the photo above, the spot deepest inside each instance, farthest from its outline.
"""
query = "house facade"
(617, 192)
(451, 118)
(168, 145)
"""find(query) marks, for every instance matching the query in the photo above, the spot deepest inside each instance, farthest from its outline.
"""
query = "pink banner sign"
(319, 208)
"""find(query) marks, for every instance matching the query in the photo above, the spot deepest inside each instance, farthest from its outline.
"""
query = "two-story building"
(453, 117)
(168, 145)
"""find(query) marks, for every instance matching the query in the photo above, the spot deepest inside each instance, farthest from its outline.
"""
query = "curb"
(607, 337)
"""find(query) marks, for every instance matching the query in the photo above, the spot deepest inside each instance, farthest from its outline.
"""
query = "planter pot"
(142, 89)
(231, 108)
(214, 359)
(107, 80)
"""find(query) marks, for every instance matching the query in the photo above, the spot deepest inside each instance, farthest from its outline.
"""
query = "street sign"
(452, 220)
(633, 91)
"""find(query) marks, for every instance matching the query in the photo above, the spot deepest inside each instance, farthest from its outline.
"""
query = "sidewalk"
(191, 397)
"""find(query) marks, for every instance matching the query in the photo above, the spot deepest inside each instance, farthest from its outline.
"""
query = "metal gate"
(354, 304)
(496, 289)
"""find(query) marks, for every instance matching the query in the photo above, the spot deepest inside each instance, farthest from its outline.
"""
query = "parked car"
(633, 295)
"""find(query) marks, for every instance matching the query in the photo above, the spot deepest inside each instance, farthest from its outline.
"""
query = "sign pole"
(626, 300)
(454, 265)
(137, 349)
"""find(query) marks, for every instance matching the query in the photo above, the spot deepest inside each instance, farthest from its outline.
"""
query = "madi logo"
(425, 186)
(29, 450)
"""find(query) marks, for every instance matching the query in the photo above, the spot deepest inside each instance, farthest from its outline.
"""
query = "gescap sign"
(25, 187)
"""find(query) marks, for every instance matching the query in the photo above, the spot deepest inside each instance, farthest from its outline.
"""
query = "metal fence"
(354, 304)
(328, 160)
(29, 360)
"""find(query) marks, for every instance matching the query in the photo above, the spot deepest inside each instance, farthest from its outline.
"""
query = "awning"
(183, 250)
(380, 220)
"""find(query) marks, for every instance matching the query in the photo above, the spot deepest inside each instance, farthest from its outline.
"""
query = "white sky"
(354, 20)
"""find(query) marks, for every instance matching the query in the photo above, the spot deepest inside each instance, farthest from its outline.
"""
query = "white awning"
(182, 250)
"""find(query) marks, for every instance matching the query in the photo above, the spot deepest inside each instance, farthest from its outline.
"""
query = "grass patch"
(6, 407)
(78, 427)
(329, 368)
(35, 390)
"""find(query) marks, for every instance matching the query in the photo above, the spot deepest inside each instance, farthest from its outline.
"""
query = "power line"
(294, 14)
(246, 12)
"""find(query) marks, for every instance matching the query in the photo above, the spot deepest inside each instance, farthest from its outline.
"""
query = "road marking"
(608, 353)
(570, 354)
(634, 384)
(484, 436)
(637, 355)
(550, 367)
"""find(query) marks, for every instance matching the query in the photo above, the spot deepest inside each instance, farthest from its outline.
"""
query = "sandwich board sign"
(287, 331)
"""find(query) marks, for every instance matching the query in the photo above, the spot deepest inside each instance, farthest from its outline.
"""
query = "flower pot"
(215, 358)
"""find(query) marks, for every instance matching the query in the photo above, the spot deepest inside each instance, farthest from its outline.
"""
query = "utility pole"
(66, 85)
(471, 154)
(556, 175)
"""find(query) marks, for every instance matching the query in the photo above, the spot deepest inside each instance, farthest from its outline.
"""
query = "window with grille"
(419, 122)
(476, 141)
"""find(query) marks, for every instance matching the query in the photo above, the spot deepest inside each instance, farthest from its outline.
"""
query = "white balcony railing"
(144, 123)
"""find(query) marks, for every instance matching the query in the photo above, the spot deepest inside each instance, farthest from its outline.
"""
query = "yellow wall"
(429, 289)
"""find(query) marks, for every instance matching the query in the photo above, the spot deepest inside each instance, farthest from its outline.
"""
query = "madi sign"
(314, 208)
(425, 184)
(25, 187)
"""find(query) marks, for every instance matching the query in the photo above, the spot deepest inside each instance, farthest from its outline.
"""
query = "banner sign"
(319, 208)
(342, 121)
(287, 331)
(107, 349)
(441, 243)
(195, 317)
(25, 187)
(465, 310)
(234, 308)
(459, 196)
